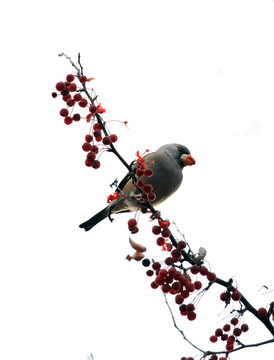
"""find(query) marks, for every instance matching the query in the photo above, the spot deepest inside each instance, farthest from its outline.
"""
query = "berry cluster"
(229, 333)
(78, 96)
(172, 277)
(142, 172)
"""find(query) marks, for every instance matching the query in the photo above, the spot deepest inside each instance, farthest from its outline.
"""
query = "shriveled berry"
(148, 172)
(151, 196)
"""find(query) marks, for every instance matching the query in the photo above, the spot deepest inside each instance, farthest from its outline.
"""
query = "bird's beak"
(188, 160)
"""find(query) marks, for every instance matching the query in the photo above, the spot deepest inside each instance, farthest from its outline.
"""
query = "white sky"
(196, 72)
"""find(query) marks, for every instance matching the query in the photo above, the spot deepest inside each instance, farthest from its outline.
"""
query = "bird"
(166, 164)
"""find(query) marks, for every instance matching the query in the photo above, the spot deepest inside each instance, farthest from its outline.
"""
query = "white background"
(199, 73)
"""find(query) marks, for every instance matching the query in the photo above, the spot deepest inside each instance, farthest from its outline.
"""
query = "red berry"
(176, 254)
(149, 273)
(82, 79)
(160, 241)
(86, 146)
(236, 295)
(135, 230)
(198, 285)
(95, 149)
(54, 94)
(76, 117)
(224, 337)
(70, 78)
(185, 294)
(211, 277)
(234, 321)
(218, 332)
(226, 327)
(190, 287)
(154, 285)
(244, 327)
(68, 120)
(114, 138)
(106, 140)
(166, 288)
(77, 97)
(96, 164)
(97, 133)
(214, 357)
(88, 138)
(191, 315)
(203, 270)
(194, 269)
(190, 307)
(213, 338)
(72, 87)
(83, 103)
(70, 102)
(132, 223)
(60, 86)
(179, 299)
(166, 233)
(237, 331)
(231, 339)
(225, 296)
(156, 230)
(91, 156)
(156, 266)
(93, 109)
(140, 183)
(163, 273)
(181, 244)
(159, 280)
(262, 312)
(64, 112)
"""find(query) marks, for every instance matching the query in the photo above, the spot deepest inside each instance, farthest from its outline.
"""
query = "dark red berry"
(83, 103)
(54, 94)
(106, 140)
(234, 321)
(86, 146)
(72, 87)
(160, 241)
(213, 338)
(244, 327)
(156, 266)
(166, 233)
(262, 312)
(82, 79)
(70, 102)
(97, 133)
(91, 156)
(181, 244)
(64, 112)
(114, 138)
(236, 295)
(76, 117)
(77, 97)
(96, 164)
(88, 138)
(226, 327)
(156, 230)
(60, 86)
(151, 196)
(147, 188)
(95, 149)
(70, 78)
(148, 173)
(68, 120)
(191, 315)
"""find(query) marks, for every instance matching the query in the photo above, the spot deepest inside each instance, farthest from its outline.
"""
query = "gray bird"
(166, 164)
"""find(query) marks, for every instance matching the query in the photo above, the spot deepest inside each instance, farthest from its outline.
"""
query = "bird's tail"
(94, 220)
